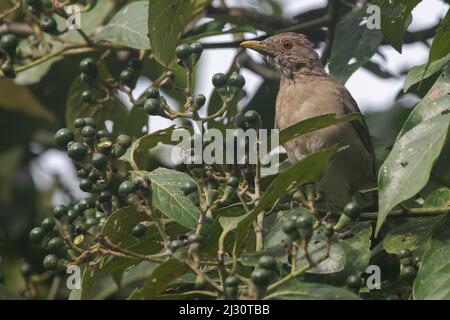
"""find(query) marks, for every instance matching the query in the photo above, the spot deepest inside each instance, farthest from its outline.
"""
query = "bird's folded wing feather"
(360, 125)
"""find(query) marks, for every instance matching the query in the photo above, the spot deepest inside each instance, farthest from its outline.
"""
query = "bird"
(306, 90)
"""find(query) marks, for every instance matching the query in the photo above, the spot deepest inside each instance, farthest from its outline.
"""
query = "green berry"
(352, 210)
(86, 185)
(87, 96)
(200, 100)
(152, 107)
(289, 227)
(37, 234)
(135, 64)
(79, 123)
(105, 196)
(63, 137)
(139, 231)
(90, 122)
(59, 211)
(304, 222)
(200, 282)
(101, 134)
(50, 262)
(49, 25)
(118, 151)
(127, 187)
(175, 245)
(183, 51)
(189, 187)
(261, 277)
(88, 66)
(405, 253)
(236, 80)
(408, 273)
(77, 151)
(197, 49)
(9, 43)
(127, 77)
(88, 132)
(267, 262)
(253, 119)
(354, 282)
(55, 245)
(99, 215)
(152, 93)
(82, 205)
(231, 281)
(124, 140)
(91, 222)
(8, 70)
(99, 161)
(233, 182)
(72, 215)
(48, 224)
(86, 78)
(219, 80)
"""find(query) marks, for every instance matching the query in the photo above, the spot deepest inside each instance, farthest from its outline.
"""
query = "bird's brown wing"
(360, 125)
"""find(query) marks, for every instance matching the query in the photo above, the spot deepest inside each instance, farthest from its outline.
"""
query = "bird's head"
(290, 53)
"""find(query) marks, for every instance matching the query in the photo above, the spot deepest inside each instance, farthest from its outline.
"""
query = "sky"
(370, 92)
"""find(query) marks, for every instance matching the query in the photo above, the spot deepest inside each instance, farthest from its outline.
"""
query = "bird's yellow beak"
(255, 45)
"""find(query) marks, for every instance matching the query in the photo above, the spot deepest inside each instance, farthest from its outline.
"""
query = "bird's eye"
(287, 44)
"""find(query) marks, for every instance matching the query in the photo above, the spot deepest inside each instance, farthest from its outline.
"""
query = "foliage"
(146, 229)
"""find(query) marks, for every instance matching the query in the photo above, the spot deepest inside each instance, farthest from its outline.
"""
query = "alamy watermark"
(236, 146)
(74, 17)
(373, 17)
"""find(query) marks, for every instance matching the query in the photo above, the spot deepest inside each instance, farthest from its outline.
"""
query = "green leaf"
(308, 170)
(168, 197)
(438, 198)
(352, 40)
(418, 73)
(297, 290)
(147, 142)
(213, 28)
(306, 126)
(440, 47)
(20, 99)
(356, 249)
(90, 21)
(317, 248)
(412, 235)
(433, 278)
(435, 102)
(166, 23)
(128, 27)
(138, 273)
(36, 73)
(159, 279)
(118, 230)
(136, 122)
(118, 226)
(113, 109)
(6, 294)
(396, 16)
(407, 168)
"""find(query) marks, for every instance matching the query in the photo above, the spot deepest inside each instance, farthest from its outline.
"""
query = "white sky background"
(370, 92)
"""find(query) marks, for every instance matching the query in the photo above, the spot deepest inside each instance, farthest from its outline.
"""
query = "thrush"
(307, 90)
